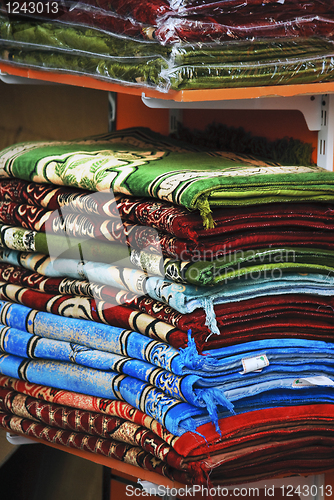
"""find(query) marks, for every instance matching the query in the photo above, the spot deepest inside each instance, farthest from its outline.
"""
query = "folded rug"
(193, 180)
(72, 399)
(237, 429)
(89, 422)
(248, 455)
(218, 242)
(183, 298)
(161, 215)
(274, 431)
(295, 315)
(175, 415)
(233, 371)
(64, 257)
(95, 310)
(130, 454)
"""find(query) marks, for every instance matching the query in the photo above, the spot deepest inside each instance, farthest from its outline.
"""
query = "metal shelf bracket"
(318, 111)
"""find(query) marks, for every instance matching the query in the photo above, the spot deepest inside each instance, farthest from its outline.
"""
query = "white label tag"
(254, 364)
(311, 381)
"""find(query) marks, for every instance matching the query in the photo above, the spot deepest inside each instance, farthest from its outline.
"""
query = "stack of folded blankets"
(188, 44)
(168, 306)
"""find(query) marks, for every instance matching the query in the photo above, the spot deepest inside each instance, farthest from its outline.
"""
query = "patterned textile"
(205, 180)
(75, 261)
(165, 217)
(90, 403)
(229, 463)
(90, 309)
(88, 422)
(176, 416)
(183, 298)
(214, 381)
(133, 455)
(54, 245)
(73, 225)
(240, 428)
(305, 316)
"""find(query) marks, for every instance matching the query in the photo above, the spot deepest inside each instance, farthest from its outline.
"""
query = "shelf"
(150, 480)
(111, 463)
(178, 96)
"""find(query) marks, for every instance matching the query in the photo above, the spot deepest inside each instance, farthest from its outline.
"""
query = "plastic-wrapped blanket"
(305, 58)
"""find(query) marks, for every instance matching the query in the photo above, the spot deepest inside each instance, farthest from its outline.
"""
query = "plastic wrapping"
(73, 49)
(80, 14)
(68, 37)
(148, 74)
(244, 26)
(186, 7)
(247, 64)
(185, 66)
(155, 21)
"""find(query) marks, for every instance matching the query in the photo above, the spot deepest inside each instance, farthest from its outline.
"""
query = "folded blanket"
(193, 180)
(130, 454)
(86, 258)
(89, 422)
(20, 200)
(71, 225)
(244, 63)
(183, 298)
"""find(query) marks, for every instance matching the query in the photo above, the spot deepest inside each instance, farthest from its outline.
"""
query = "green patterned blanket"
(139, 162)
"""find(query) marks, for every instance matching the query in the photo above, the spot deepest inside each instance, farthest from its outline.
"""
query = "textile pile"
(168, 306)
(174, 45)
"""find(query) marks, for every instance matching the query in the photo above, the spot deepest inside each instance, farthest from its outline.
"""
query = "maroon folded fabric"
(262, 443)
(162, 227)
(142, 237)
(167, 217)
(130, 454)
(111, 407)
(88, 422)
(92, 310)
(300, 315)
(255, 425)
(247, 24)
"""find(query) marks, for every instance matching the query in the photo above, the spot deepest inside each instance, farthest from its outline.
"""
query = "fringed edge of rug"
(217, 136)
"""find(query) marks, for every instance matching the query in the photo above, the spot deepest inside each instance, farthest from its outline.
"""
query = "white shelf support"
(326, 133)
(318, 111)
(16, 439)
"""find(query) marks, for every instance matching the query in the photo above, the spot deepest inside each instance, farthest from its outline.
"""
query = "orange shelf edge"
(178, 96)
